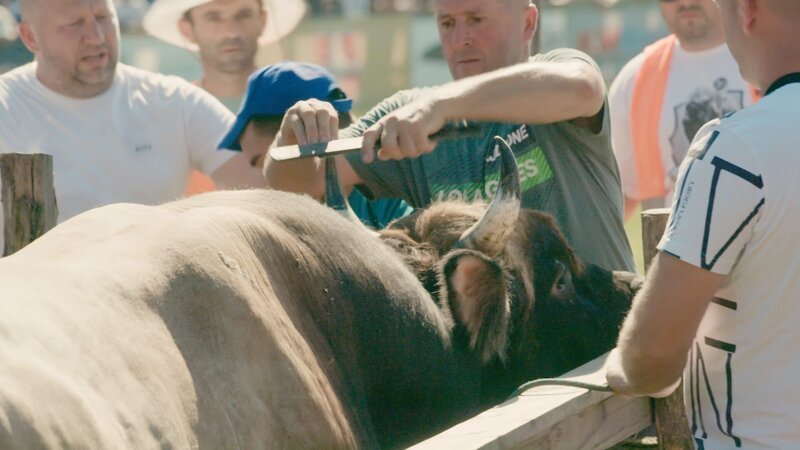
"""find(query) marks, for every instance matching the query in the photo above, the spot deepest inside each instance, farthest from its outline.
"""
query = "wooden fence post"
(672, 427)
(29, 198)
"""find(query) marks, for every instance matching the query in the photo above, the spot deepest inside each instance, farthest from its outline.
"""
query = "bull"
(261, 319)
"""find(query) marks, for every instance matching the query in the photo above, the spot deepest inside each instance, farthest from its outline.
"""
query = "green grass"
(633, 228)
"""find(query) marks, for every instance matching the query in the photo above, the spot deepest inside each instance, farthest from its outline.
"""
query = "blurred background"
(377, 47)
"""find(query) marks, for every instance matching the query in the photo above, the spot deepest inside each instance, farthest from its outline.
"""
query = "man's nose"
(93, 33)
(462, 35)
(231, 28)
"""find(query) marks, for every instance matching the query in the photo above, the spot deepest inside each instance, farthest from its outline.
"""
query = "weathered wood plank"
(555, 417)
(672, 427)
(29, 198)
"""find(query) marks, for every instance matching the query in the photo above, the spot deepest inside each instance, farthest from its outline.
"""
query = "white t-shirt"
(701, 86)
(136, 142)
(737, 213)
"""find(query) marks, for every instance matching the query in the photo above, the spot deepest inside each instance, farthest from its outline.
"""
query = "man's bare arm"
(531, 92)
(658, 332)
(236, 173)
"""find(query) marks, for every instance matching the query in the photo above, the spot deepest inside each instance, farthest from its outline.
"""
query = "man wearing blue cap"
(271, 91)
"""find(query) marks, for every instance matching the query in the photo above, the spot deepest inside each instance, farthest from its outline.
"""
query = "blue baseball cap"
(273, 89)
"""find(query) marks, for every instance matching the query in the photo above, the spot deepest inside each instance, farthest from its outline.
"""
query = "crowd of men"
(701, 121)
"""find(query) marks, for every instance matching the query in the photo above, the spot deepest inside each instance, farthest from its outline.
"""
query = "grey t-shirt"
(565, 170)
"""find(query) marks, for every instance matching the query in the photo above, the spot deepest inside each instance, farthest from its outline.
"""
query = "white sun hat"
(8, 24)
(161, 20)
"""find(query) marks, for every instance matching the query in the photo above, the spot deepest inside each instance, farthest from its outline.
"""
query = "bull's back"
(138, 327)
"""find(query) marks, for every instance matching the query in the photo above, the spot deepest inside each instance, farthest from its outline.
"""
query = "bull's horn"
(490, 234)
(334, 196)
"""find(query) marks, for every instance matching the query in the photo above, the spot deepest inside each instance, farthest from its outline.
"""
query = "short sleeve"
(718, 203)
(207, 121)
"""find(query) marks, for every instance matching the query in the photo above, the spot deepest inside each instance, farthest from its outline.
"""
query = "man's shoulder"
(561, 54)
(16, 84)
(17, 76)
(154, 82)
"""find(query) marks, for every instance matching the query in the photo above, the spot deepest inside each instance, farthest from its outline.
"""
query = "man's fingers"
(311, 121)
(406, 144)
(370, 136)
(309, 118)
(389, 142)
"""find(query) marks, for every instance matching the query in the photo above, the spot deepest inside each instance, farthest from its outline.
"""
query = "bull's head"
(507, 279)
(459, 252)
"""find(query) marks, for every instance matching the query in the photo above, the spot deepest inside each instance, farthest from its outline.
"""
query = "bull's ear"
(475, 288)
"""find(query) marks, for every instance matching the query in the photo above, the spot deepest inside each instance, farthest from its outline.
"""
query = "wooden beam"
(552, 417)
(672, 427)
(29, 198)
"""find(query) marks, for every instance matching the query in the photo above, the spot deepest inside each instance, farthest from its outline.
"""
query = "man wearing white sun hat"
(226, 35)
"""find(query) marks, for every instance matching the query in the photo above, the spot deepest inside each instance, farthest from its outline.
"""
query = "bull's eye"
(562, 287)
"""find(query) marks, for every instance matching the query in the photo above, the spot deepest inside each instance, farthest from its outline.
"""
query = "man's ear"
(748, 10)
(187, 30)
(27, 37)
(262, 16)
(531, 15)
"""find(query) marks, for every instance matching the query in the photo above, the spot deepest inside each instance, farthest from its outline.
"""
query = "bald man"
(550, 107)
(116, 133)
(723, 290)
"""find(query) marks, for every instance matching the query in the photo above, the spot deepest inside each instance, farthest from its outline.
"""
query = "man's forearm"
(655, 339)
(533, 92)
(657, 383)
(300, 175)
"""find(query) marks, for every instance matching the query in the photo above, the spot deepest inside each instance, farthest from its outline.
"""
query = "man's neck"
(699, 45)
(225, 84)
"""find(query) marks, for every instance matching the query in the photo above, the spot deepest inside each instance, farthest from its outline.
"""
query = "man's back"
(741, 188)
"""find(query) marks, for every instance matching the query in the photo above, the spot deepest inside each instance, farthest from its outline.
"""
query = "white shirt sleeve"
(207, 120)
(718, 201)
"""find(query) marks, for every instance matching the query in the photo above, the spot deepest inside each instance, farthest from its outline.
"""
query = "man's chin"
(468, 70)
(98, 77)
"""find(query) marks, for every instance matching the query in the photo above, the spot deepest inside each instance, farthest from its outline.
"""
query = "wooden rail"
(29, 198)
(559, 417)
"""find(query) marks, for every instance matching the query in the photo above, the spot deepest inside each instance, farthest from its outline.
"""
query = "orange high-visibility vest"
(649, 89)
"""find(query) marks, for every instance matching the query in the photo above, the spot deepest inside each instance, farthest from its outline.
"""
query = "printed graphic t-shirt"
(701, 86)
(565, 170)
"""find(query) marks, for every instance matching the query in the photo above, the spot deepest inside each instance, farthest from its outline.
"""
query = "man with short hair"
(665, 94)
(274, 89)
(550, 107)
(226, 35)
(723, 290)
(116, 133)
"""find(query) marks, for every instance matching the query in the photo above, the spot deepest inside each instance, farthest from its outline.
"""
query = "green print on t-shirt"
(533, 171)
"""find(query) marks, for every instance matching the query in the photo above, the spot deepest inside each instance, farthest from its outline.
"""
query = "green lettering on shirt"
(533, 171)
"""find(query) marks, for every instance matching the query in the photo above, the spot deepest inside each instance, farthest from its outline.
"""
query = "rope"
(560, 382)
